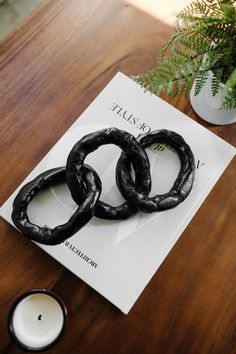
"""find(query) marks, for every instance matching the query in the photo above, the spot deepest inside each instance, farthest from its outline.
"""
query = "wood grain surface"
(51, 68)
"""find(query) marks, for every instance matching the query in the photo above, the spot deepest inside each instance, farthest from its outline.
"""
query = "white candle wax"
(37, 320)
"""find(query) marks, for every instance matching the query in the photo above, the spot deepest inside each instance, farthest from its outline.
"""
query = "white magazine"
(118, 258)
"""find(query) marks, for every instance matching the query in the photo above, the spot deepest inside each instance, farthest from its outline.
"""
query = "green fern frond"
(200, 81)
(229, 98)
(216, 81)
(204, 40)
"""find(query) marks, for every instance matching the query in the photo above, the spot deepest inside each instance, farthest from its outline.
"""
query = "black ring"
(182, 185)
(82, 215)
(134, 151)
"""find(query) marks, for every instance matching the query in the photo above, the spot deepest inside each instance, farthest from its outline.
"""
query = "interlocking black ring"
(82, 215)
(182, 186)
(135, 153)
(85, 184)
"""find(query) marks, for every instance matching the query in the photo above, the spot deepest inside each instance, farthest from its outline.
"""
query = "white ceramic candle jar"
(37, 320)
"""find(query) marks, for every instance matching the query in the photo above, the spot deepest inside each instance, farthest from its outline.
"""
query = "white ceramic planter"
(208, 106)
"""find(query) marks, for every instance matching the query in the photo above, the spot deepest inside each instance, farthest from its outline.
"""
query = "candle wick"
(40, 317)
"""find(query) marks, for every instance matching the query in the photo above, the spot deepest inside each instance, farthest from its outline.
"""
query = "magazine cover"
(119, 257)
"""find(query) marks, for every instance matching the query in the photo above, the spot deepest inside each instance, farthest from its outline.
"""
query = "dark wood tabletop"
(51, 68)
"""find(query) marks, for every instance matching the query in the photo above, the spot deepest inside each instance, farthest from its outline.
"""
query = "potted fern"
(199, 60)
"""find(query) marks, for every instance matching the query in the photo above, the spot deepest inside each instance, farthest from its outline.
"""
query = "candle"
(37, 320)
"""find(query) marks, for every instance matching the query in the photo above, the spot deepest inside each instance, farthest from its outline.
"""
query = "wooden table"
(51, 68)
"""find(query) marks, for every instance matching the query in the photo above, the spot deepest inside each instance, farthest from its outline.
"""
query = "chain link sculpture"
(85, 185)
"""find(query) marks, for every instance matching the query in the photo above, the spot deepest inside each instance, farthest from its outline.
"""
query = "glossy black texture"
(182, 186)
(134, 152)
(54, 236)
